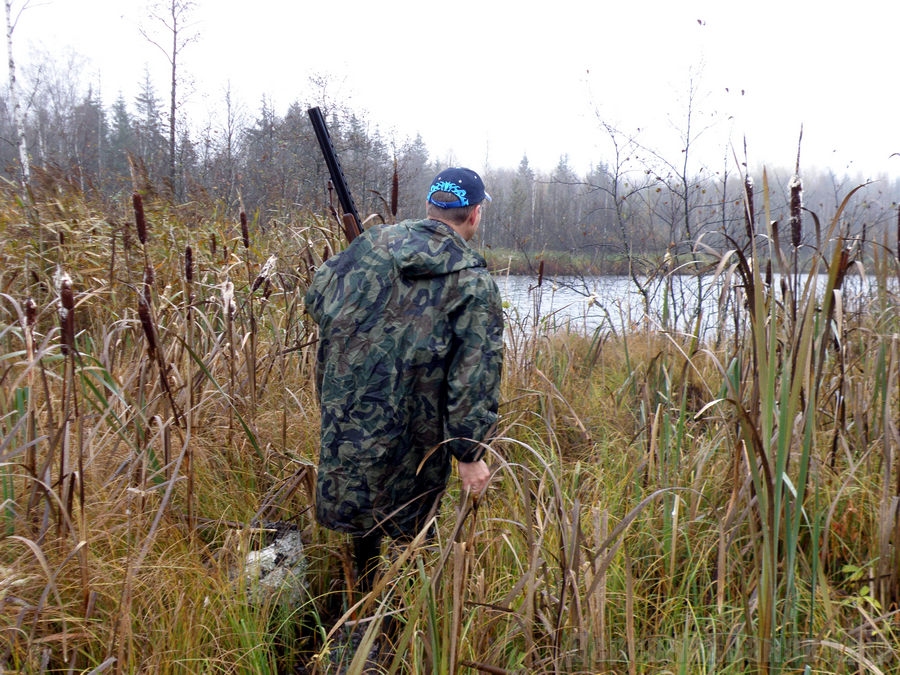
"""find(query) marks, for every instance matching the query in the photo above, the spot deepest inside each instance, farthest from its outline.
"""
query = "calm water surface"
(586, 304)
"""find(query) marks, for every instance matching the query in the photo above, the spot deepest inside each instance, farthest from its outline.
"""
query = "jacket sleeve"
(473, 380)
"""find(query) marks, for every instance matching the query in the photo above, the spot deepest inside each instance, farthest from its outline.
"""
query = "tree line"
(634, 205)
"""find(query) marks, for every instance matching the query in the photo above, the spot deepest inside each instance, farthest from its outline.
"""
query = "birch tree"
(15, 104)
(173, 15)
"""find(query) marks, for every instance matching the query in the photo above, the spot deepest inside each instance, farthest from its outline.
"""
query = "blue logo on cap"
(452, 188)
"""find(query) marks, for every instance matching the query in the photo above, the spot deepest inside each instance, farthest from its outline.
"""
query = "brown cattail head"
(66, 311)
(228, 304)
(796, 205)
(29, 318)
(147, 325)
(265, 272)
(30, 312)
(395, 189)
(140, 220)
(749, 214)
(212, 246)
(245, 233)
(188, 264)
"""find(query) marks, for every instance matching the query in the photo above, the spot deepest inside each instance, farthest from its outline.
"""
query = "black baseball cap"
(464, 183)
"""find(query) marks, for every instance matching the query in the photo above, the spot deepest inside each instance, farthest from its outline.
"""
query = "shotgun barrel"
(351, 221)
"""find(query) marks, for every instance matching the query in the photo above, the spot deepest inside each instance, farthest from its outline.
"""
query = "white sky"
(514, 78)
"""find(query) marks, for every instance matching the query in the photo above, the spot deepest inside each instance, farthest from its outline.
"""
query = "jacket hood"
(430, 248)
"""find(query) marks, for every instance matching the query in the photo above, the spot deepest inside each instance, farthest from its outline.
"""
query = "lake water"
(615, 303)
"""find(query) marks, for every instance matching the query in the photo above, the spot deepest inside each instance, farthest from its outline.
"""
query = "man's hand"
(475, 476)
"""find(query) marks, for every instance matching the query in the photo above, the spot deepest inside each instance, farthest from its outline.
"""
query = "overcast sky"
(488, 81)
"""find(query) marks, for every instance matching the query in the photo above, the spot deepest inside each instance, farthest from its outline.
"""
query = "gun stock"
(351, 222)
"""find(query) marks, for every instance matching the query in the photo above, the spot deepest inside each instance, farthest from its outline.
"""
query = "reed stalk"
(228, 311)
(28, 320)
(188, 368)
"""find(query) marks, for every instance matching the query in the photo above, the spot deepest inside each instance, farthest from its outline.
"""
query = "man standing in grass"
(408, 369)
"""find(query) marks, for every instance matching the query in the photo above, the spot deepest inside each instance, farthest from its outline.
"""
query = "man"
(408, 369)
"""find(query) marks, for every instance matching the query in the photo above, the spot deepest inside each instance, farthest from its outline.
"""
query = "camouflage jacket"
(410, 354)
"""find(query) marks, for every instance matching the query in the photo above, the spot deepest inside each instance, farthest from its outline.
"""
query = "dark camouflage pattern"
(410, 354)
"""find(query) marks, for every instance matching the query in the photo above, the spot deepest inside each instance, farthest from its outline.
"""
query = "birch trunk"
(18, 117)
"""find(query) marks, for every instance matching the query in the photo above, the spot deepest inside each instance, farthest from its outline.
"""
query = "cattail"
(245, 233)
(212, 246)
(66, 311)
(30, 312)
(749, 213)
(395, 189)
(139, 220)
(189, 277)
(188, 264)
(147, 325)
(228, 303)
(28, 326)
(264, 272)
(796, 204)
(266, 292)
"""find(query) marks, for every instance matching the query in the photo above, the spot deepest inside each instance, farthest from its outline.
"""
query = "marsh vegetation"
(661, 503)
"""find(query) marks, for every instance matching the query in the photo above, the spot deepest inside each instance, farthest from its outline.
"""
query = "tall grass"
(660, 504)
(777, 400)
